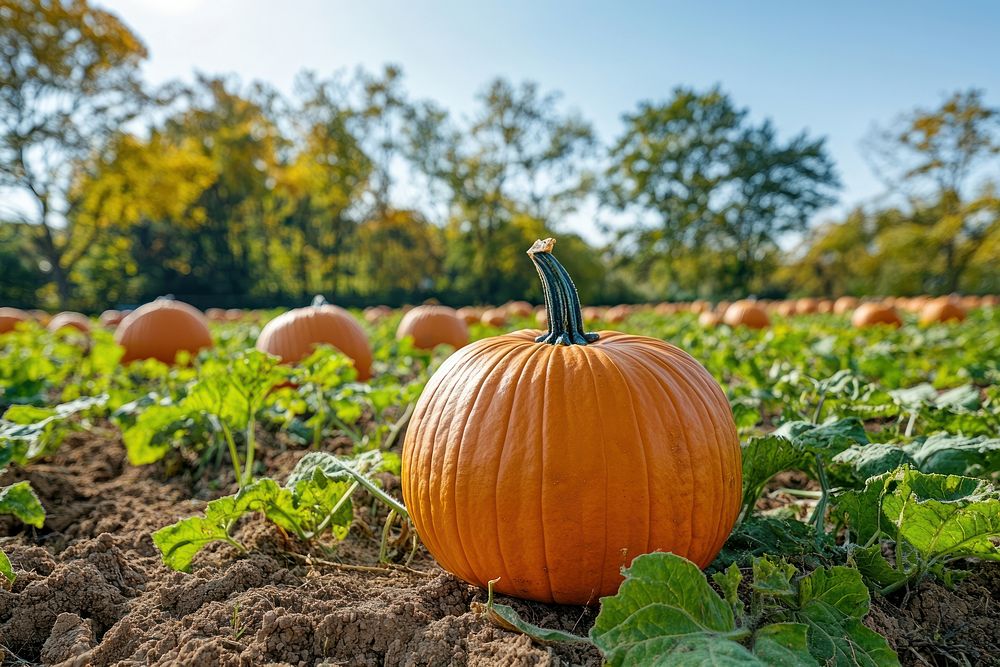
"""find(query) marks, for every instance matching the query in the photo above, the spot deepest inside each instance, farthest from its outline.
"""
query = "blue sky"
(831, 68)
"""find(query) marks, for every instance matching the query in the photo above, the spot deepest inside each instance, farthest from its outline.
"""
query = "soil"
(91, 589)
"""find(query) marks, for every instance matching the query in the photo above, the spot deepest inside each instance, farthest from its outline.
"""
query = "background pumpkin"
(160, 329)
(9, 318)
(430, 326)
(70, 320)
(494, 317)
(294, 335)
(747, 314)
(551, 461)
(872, 313)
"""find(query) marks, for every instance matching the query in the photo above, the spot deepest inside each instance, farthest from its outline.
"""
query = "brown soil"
(91, 589)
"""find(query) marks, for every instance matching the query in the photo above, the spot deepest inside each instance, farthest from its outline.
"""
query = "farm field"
(230, 510)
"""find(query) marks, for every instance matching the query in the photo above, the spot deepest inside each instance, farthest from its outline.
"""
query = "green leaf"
(6, 570)
(154, 432)
(763, 458)
(858, 463)
(784, 645)
(729, 581)
(28, 432)
(507, 617)
(965, 397)
(957, 455)
(664, 604)
(944, 516)
(832, 602)
(179, 543)
(760, 535)
(827, 439)
(20, 500)
(773, 578)
(875, 568)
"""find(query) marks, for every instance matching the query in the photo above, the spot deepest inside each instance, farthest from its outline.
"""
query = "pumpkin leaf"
(832, 602)
(506, 617)
(28, 432)
(6, 571)
(827, 439)
(729, 582)
(763, 458)
(19, 499)
(957, 455)
(784, 645)
(759, 535)
(858, 463)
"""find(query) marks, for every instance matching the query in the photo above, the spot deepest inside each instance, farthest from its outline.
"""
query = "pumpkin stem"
(562, 302)
(319, 300)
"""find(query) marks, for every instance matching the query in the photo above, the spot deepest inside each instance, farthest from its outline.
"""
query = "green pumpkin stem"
(562, 302)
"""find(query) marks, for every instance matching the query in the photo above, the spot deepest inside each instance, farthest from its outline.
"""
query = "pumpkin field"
(814, 485)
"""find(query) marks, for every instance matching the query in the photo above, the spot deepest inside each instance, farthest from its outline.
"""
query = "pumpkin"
(786, 308)
(550, 460)
(700, 306)
(593, 314)
(469, 314)
(990, 301)
(70, 320)
(234, 315)
(494, 317)
(806, 306)
(746, 313)
(375, 314)
(873, 313)
(542, 318)
(430, 326)
(617, 314)
(9, 318)
(943, 309)
(519, 309)
(216, 315)
(844, 305)
(708, 319)
(294, 335)
(824, 306)
(665, 308)
(111, 318)
(160, 329)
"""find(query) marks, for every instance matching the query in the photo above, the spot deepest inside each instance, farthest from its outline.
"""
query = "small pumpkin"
(160, 329)
(70, 320)
(469, 314)
(111, 318)
(844, 305)
(942, 309)
(519, 309)
(430, 326)
(374, 314)
(294, 335)
(806, 306)
(746, 313)
(552, 459)
(617, 314)
(216, 315)
(494, 317)
(874, 313)
(786, 308)
(708, 319)
(10, 317)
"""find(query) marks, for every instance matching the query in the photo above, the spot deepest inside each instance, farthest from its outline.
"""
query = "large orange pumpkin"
(430, 326)
(160, 329)
(551, 461)
(872, 313)
(9, 318)
(748, 314)
(294, 335)
(70, 320)
(942, 309)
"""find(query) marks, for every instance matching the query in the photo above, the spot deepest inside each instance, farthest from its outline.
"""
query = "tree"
(519, 158)
(710, 192)
(69, 79)
(939, 159)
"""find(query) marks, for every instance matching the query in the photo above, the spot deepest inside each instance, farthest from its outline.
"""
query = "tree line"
(113, 191)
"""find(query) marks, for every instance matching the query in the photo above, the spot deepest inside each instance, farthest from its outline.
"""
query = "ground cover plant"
(231, 509)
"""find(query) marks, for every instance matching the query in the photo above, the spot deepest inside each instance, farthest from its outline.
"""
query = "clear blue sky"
(831, 68)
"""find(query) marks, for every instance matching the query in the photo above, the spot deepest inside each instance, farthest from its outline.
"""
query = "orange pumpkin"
(375, 314)
(9, 318)
(430, 326)
(872, 313)
(111, 318)
(216, 315)
(748, 314)
(160, 329)
(494, 317)
(469, 314)
(844, 305)
(806, 306)
(294, 335)
(70, 320)
(708, 319)
(617, 314)
(551, 461)
(941, 310)
(519, 309)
